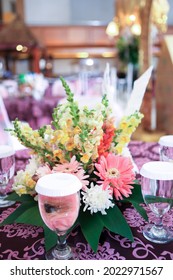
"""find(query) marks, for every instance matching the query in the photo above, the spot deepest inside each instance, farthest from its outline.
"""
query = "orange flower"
(105, 143)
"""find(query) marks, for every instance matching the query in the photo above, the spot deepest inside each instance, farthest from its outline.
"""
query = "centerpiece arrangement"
(86, 143)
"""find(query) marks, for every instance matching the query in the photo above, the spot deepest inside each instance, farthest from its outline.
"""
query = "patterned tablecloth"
(20, 241)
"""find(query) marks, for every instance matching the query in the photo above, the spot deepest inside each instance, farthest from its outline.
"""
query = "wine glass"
(59, 203)
(166, 148)
(7, 168)
(157, 191)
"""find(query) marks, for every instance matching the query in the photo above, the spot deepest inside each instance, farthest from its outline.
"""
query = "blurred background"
(43, 40)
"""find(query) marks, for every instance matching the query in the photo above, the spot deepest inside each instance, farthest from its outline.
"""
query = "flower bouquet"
(86, 143)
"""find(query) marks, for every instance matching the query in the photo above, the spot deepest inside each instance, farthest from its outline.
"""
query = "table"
(26, 242)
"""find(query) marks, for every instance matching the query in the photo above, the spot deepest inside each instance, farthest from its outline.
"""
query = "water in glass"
(7, 168)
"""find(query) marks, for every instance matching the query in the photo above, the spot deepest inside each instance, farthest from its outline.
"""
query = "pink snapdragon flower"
(116, 172)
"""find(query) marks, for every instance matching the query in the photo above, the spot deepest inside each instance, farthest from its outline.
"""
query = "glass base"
(5, 203)
(57, 254)
(157, 234)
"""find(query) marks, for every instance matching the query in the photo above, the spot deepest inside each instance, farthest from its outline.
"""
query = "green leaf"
(155, 199)
(136, 199)
(31, 216)
(91, 226)
(28, 213)
(23, 198)
(115, 222)
(13, 216)
(136, 194)
(50, 238)
(140, 210)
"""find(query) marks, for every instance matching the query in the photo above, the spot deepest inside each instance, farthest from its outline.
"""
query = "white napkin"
(138, 91)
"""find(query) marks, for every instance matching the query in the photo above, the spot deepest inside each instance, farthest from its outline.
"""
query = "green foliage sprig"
(71, 103)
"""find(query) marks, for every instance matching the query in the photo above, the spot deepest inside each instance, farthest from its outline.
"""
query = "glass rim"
(157, 170)
(166, 140)
(58, 184)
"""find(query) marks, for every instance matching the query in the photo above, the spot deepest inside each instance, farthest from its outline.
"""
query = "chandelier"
(160, 9)
(128, 15)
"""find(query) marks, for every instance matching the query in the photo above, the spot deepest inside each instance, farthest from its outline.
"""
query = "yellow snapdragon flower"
(123, 125)
(59, 154)
(30, 183)
(76, 130)
(123, 138)
(70, 145)
(20, 190)
(85, 157)
(119, 148)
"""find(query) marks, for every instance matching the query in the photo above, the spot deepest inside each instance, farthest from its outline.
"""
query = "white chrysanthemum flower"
(96, 199)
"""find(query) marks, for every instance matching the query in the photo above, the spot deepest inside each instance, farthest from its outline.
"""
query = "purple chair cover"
(26, 242)
(35, 112)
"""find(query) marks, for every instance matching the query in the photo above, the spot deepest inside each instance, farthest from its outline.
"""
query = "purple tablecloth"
(18, 241)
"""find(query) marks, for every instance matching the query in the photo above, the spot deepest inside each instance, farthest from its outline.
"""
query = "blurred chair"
(3, 91)
(11, 86)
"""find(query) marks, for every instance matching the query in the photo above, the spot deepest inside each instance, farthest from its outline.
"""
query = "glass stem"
(61, 242)
(158, 223)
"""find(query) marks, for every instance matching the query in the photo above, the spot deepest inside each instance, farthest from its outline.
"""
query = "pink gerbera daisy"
(116, 172)
(68, 167)
(73, 167)
(43, 170)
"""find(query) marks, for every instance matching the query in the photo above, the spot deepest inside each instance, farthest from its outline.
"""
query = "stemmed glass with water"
(59, 203)
(166, 148)
(7, 169)
(157, 190)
